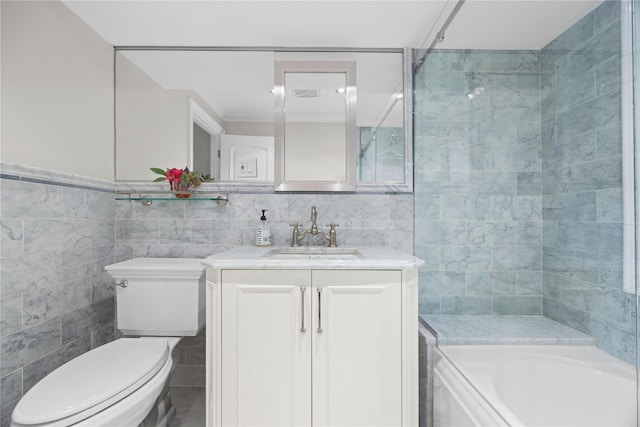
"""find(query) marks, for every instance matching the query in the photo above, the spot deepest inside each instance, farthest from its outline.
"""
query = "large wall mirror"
(345, 121)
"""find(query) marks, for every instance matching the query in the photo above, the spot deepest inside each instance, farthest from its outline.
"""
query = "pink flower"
(173, 175)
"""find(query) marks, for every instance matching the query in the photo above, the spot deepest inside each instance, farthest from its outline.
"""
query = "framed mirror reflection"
(219, 110)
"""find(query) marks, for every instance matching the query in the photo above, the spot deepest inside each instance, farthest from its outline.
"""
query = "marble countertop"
(314, 257)
(487, 329)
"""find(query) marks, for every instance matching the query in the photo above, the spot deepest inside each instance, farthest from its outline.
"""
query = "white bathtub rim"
(485, 390)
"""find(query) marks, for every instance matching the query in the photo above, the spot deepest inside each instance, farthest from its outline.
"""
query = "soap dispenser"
(263, 233)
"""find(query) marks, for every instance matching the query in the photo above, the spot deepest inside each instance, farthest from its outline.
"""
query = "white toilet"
(126, 382)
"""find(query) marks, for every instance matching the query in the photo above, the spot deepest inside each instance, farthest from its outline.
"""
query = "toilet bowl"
(125, 382)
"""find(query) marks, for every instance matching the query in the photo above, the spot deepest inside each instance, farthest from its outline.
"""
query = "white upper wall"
(57, 91)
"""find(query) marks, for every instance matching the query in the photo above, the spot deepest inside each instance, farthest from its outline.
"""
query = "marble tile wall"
(582, 182)
(199, 228)
(56, 301)
(518, 176)
(177, 229)
(478, 203)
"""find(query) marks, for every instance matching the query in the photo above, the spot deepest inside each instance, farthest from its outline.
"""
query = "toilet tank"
(159, 296)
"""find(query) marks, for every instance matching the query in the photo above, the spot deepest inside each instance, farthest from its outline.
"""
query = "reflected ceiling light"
(305, 93)
(341, 90)
(399, 96)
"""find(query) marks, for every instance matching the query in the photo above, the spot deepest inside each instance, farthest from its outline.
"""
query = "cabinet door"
(357, 348)
(266, 354)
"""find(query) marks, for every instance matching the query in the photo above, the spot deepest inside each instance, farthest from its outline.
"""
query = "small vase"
(182, 190)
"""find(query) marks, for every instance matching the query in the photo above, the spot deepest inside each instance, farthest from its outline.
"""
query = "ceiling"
(485, 24)
(479, 24)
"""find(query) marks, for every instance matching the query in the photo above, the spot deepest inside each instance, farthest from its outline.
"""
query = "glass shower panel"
(519, 212)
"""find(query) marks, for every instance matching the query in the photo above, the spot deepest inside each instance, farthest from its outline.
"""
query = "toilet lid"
(103, 375)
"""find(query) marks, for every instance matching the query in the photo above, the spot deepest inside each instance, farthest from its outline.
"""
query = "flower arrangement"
(180, 180)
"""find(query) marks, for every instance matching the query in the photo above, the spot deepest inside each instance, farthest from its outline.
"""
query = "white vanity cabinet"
(312, 347)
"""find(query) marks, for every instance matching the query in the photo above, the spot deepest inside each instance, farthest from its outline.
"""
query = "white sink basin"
(313, 252)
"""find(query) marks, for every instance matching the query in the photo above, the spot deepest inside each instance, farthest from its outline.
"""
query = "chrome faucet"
(297, 237)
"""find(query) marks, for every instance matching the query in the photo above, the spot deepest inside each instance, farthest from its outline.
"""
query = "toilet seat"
(93, 381)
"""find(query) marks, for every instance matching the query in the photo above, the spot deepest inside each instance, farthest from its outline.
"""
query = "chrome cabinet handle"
(319, 310)
(303, 289)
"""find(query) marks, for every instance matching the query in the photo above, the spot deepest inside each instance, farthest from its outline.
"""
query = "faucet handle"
(295, 225)
(332, 234)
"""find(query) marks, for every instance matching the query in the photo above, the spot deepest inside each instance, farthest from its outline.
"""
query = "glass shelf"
(147, 200)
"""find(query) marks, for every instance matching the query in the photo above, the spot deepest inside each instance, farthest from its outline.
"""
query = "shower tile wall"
(582, 180)
(518, 177)
(478, 204)
(56, 300)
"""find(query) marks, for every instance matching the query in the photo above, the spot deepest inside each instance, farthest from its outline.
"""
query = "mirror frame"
(351, 131)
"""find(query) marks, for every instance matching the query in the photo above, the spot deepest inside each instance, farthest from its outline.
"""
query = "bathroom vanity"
(312, 336)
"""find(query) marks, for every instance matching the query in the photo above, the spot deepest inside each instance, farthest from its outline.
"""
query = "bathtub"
(529, 385)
